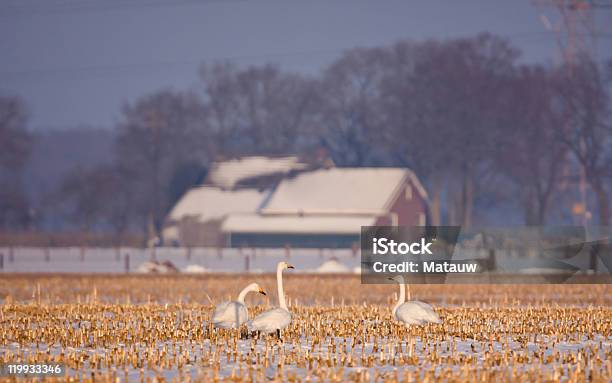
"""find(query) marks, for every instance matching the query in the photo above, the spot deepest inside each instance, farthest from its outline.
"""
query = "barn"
(325, 208)
(268, 202)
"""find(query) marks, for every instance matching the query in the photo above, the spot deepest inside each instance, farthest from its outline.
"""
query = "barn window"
(408, 192)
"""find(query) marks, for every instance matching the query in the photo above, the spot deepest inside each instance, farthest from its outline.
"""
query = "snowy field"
(338, 360)
(158, 327)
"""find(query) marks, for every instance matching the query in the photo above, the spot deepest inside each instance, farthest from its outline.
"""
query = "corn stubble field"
(155, 328)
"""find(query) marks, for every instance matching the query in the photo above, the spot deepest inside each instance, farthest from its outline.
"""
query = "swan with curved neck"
(412, 312)
(278, 318)
(233, 314)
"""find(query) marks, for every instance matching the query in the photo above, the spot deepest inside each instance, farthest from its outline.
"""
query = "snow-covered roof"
(354, 191)
(206, 203)
(227, 174)
(295, 224)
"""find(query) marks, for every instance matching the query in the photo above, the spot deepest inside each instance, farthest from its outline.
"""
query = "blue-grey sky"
(76, 62)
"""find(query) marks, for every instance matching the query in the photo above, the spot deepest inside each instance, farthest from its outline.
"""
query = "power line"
(117, 69)
(20, 9)
(160, 65)
(110, 69)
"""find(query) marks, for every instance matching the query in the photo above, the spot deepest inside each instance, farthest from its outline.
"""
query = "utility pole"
(576, 30)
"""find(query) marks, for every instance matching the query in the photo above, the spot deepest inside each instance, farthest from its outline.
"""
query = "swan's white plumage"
(270, 321)
(230, 315)
(233, 314)
(416, 313)
(278, 318)
(413, 312)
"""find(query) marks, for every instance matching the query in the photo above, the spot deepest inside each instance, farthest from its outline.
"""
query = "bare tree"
(349, 106)
(85, 193)
(444, 102)
(98, 199)
(415, 118)
(529, 151)
(120, 212)
(221, 103)
(585, 100)
(158, 134)
(256, 110)
(15, 144)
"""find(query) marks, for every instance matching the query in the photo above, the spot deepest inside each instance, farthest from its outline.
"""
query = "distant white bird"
(278, 318)
(234, 313)
(412, 312)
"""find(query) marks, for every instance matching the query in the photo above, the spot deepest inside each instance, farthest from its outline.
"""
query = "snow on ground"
(157, 267)
(446, 348)
(332, 266)
(195, 269)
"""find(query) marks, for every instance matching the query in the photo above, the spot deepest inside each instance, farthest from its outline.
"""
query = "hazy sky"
(75, 62)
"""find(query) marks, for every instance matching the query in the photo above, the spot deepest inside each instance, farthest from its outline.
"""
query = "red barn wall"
(408, 211)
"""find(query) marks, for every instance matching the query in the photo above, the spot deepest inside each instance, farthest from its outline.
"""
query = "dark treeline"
(485, 133)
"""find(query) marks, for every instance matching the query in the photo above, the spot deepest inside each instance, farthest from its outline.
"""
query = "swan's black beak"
(391, 279)
(262, 292)
(290, 267)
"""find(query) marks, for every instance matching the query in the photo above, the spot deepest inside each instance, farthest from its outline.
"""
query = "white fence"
(110, 260)
(225, 260)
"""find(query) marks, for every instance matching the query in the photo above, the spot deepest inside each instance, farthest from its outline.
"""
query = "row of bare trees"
(471, 120)
(478, 127)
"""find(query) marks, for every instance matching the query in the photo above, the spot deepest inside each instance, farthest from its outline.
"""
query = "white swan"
(278, 318)
(412, 312)
(234, 313)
